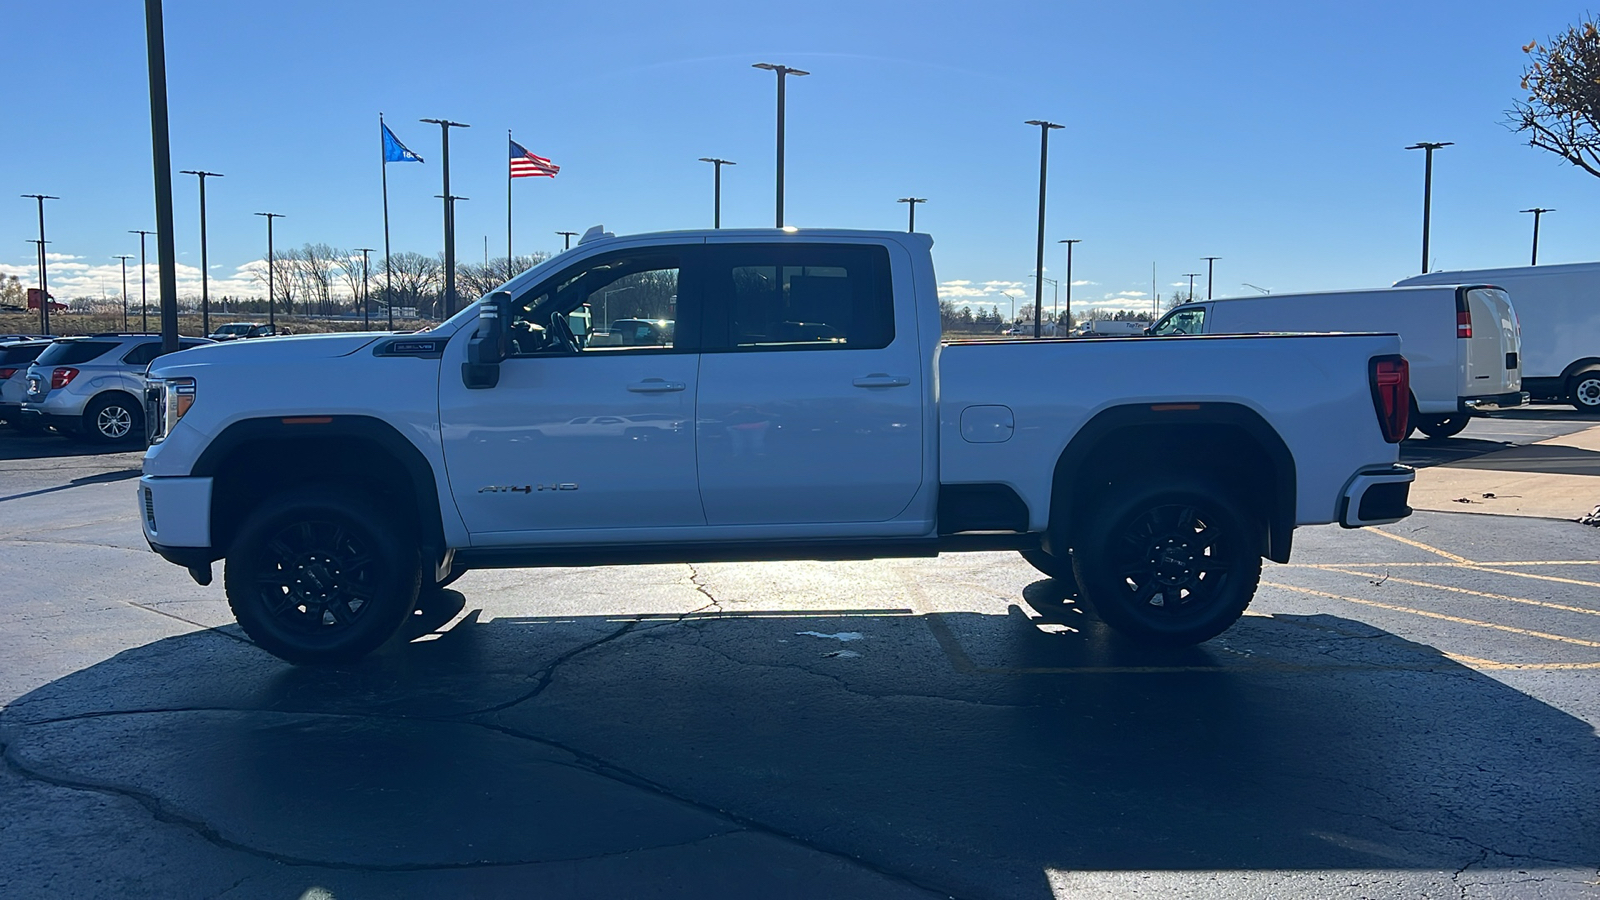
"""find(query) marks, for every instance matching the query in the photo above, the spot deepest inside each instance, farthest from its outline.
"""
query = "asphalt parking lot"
(1405, 712)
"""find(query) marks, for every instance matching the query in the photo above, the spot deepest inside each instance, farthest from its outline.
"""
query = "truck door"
(575, 435)
(810, 406)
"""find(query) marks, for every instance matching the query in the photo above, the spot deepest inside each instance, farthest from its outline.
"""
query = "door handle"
(880, 380)
(656, 386)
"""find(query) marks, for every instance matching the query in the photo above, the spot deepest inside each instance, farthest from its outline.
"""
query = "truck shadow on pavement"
(959, 752)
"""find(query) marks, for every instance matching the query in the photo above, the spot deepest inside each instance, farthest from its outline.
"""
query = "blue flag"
(393, 150)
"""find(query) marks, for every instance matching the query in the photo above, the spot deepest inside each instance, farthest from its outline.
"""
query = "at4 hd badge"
(526, 488)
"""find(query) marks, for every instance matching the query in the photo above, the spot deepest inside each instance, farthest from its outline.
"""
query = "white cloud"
(69, 280)
(1082, 283)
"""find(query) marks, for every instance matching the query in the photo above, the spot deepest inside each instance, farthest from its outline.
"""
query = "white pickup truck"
(803, 407)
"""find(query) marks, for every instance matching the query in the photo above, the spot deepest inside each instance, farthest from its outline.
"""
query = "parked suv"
(91, 386)
(15, 356)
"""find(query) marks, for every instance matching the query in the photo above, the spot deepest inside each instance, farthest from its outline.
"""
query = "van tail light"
(1390, 377)
(7, 373)
(62, 377)
(1463, 324)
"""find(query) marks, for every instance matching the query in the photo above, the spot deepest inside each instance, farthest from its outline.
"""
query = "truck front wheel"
(1169, 565)
(318, 575)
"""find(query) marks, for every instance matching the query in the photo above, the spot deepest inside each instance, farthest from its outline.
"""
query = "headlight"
(170, 399)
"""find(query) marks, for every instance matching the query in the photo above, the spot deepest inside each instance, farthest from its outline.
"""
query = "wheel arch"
(1576, 366)
(251, 458)
(1118, 442)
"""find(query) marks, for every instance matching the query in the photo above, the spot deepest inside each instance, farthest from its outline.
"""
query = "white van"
(1559, 308)
(1461, 340)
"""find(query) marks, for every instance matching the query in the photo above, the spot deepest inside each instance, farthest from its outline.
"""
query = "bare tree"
(475, 280)
(1562, 111)
(417, 280)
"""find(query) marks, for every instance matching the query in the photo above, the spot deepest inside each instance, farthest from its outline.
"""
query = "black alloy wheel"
(319, 576)
(1170, 566)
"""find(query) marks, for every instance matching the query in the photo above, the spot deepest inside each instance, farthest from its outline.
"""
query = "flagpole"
(388, 269)
(509, 265)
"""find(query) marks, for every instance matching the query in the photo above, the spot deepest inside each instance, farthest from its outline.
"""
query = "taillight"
(1463, 324)
(1390, 377)
(62, 377)
(7, 373)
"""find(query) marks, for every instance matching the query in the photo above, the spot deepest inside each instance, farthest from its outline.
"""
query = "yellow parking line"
(1460, 590)
(1451, 565)
(1433, 615)
(1421, 546)
(1491, 665)
(1537, 577)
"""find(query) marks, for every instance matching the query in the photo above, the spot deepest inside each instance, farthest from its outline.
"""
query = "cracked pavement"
(693, 731)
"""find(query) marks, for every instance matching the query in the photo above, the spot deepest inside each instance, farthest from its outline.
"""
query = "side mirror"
(491, 345)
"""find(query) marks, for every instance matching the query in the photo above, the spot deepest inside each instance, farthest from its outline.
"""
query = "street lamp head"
(720, 162)
(1043, 123)
(1537, 209)
(446, 123)
(781, 70)
(1430, 145)
(1071, 241)
(912, 200)
(202, 173)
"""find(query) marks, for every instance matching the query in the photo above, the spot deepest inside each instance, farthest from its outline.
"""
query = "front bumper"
(176, 515)
(1377, 496)
(1510, 400)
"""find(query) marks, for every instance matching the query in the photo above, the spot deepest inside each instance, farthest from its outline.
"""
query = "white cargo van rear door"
(1488, 339)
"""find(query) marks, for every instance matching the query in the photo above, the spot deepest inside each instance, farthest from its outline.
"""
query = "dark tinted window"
(143, 354)
(816, 296)
(12, 356)
(71, 353)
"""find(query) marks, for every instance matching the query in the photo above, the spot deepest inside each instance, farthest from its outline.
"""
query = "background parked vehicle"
(1110, 328)
(15, 357)
(234, 331)
(93, 387)
(1461, 340)
(1559, 311)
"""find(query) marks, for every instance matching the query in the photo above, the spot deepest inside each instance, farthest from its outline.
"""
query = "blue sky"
(1268, 134)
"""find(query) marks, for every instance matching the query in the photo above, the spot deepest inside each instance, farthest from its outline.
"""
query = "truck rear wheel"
(1439, 427)
(318, 575)
(1583, 392)
(1169, 565)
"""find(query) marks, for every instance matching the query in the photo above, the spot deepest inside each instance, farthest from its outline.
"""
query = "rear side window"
(71, 353)
(801, 297)
(12, 356)
(143, 354)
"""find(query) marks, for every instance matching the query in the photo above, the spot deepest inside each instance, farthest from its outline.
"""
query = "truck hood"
(256, 351)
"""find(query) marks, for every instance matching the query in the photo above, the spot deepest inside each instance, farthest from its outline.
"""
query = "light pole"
(1427, 191)
(205, 270)
(1069, 242)
(161, 159)
(783, 72)
(1211, 262)
(716, 189)
(1191, 276)
(366, 295)
(1537, 211)
(144, 300)
(1013, 319)
(449, 216)
(125, 257)
(569, 236)
(44, 279)
(272, 263)
(1044, 158)
(911, 204)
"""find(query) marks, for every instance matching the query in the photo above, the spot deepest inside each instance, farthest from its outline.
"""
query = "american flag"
(525, 164)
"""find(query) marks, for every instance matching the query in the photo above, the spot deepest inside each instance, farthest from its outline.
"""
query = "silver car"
(93, 386)
(15, 357)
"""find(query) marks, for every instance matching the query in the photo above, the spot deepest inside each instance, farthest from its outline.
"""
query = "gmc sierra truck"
(803, 406)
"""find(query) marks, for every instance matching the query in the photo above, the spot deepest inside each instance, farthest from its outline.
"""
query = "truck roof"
(1462, 276)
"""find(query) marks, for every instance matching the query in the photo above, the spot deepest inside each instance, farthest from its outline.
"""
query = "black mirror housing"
(491, 345)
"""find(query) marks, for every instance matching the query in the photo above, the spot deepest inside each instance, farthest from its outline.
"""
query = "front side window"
(1186, 321)
(619, 303)
(803, 296)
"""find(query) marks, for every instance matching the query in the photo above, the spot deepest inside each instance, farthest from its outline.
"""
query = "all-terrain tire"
(321, 575)
(1048, 563)
(1169, 564)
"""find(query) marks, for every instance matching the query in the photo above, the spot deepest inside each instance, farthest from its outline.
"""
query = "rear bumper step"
(1510, 400)
(1377, 497)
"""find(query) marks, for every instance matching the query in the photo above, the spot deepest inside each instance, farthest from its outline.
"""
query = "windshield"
(1182, 321)
(233, 329)
(69, 353)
